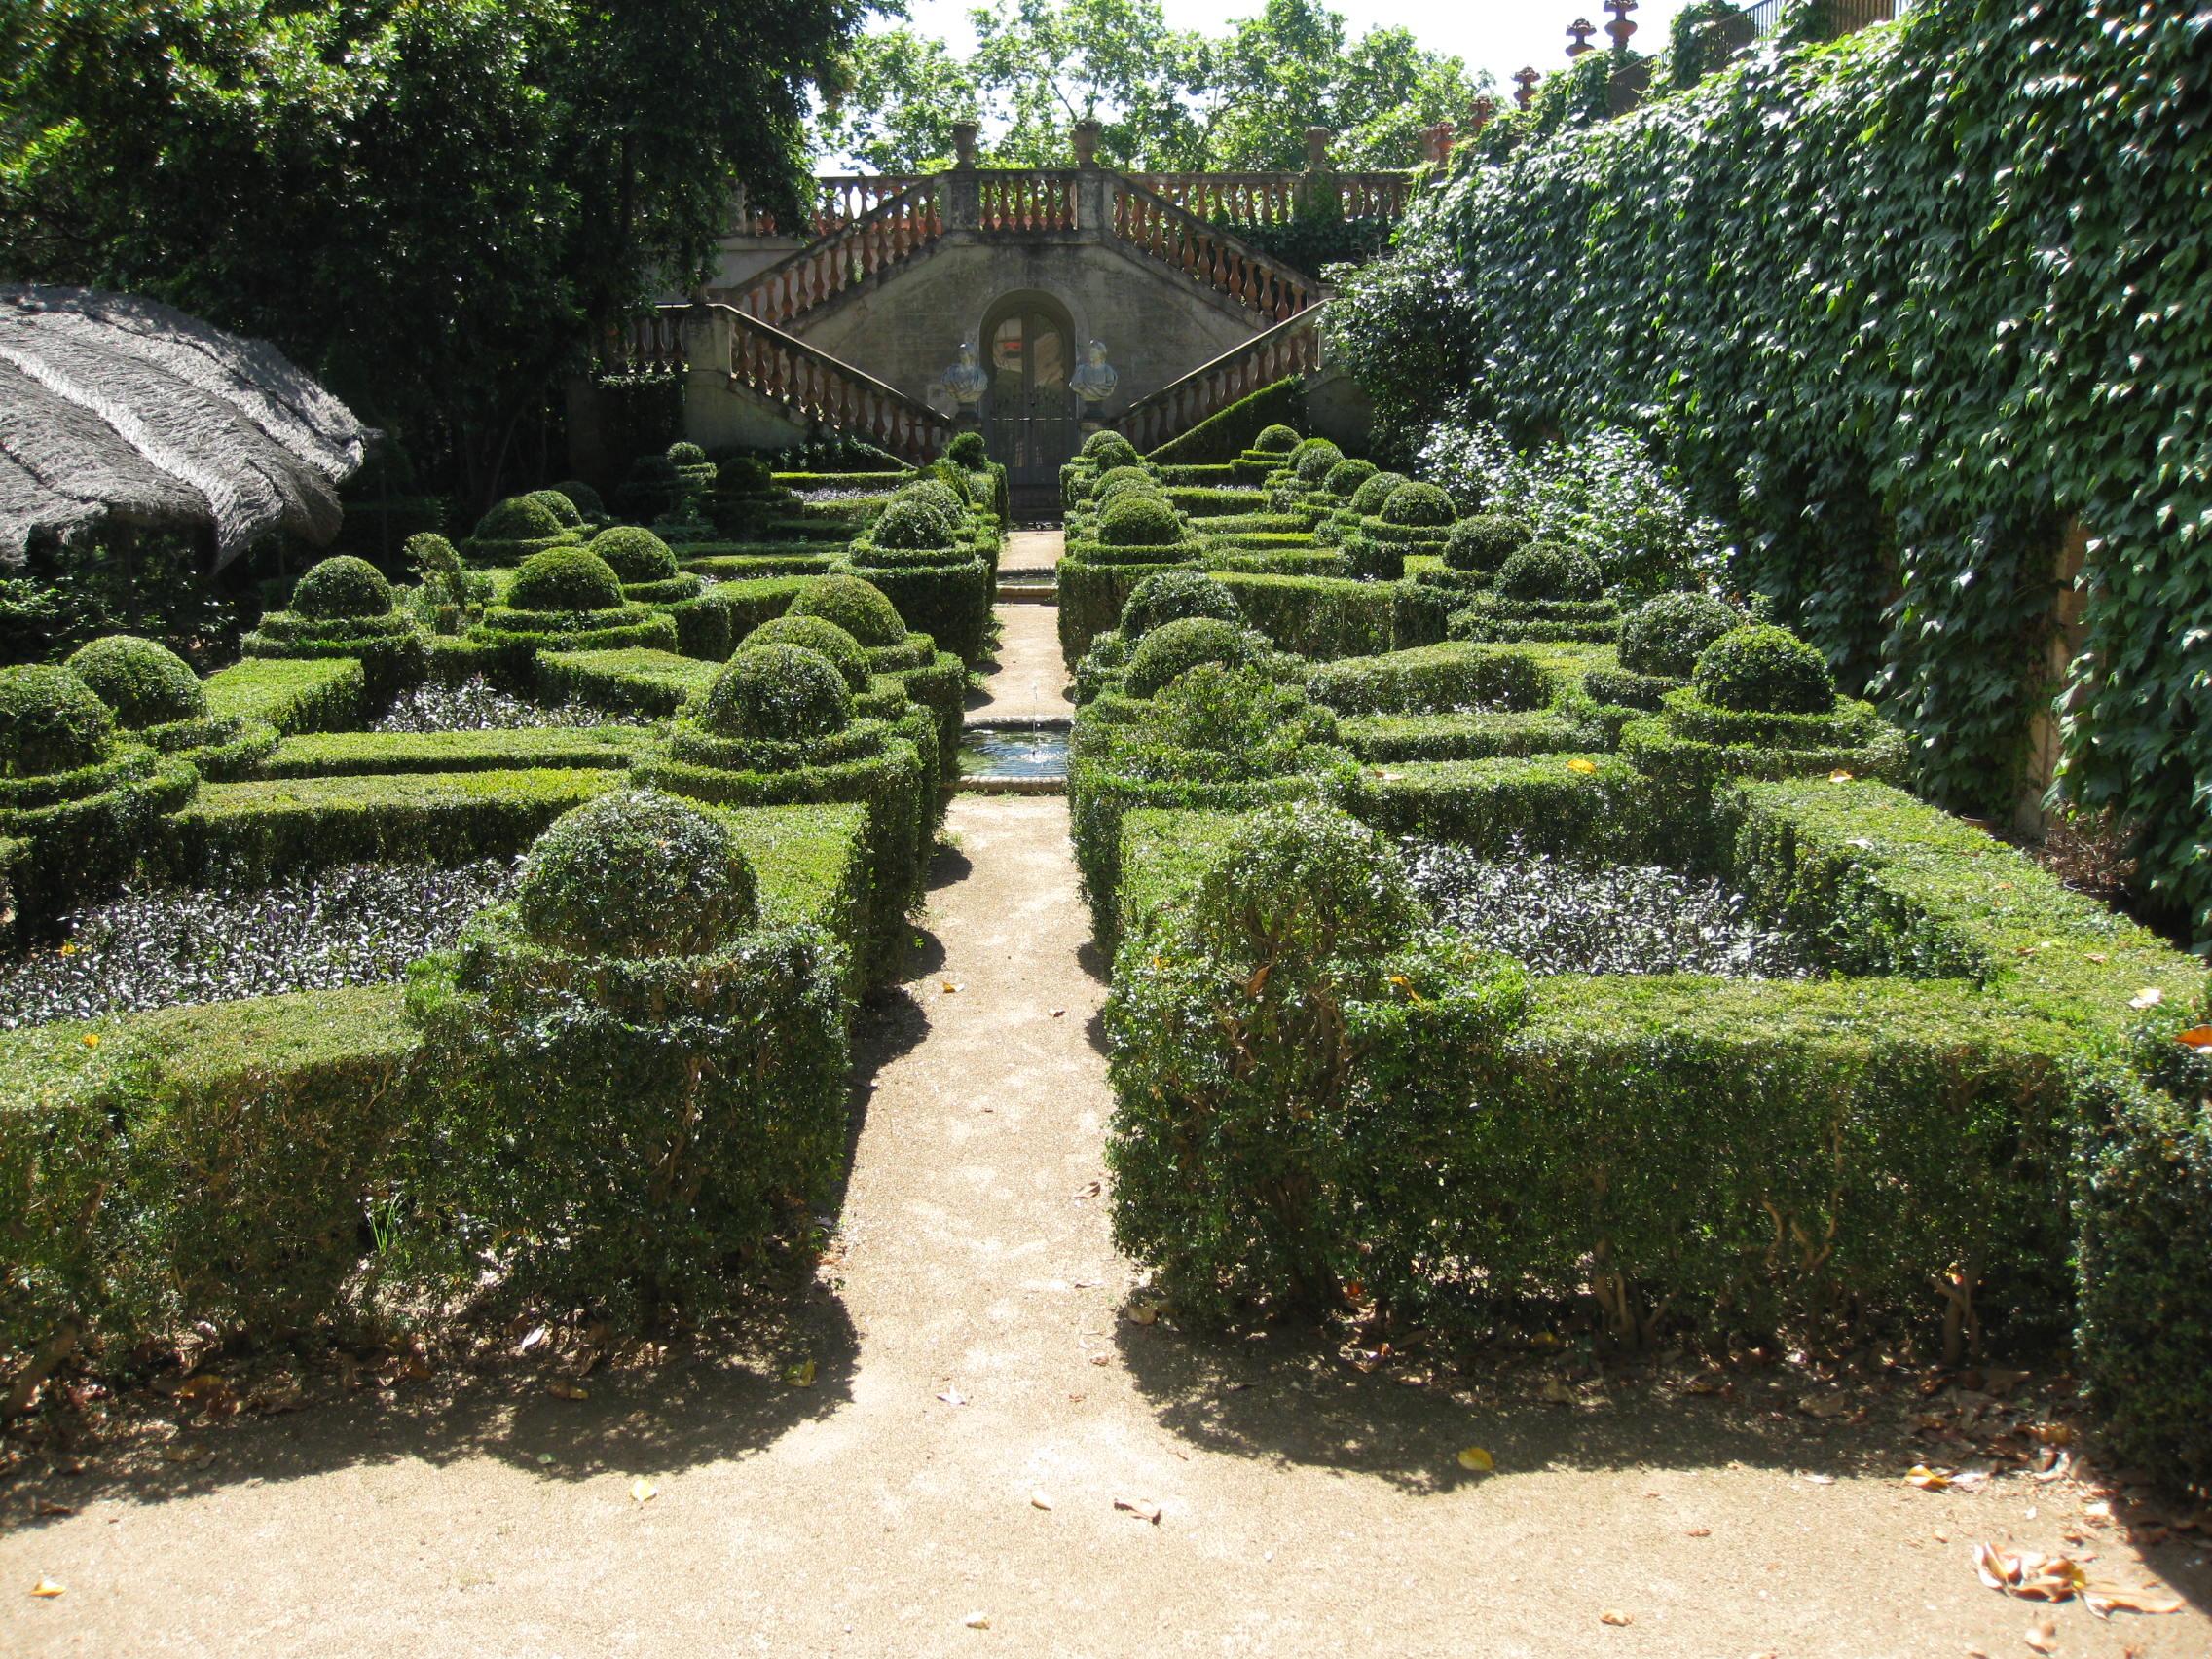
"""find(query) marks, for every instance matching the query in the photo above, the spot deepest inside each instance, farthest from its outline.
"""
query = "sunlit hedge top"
(143, 680)
(637, 874)
(858, 606)
(50, 721)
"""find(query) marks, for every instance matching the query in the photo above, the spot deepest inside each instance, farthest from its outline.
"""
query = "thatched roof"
(118, 407)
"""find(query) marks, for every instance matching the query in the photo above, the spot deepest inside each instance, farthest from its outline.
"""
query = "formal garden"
(1679, 842)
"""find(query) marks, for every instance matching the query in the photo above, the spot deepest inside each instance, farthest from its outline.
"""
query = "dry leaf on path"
(2042, 1635)
(1927, 1479)
(2103, 1601)
(561, 1388)
(952, 1396)
(1038, 1500)
(977, 1621)
(1136, 1506)
(1617, 1619)
(2029, 1573)
(799, 1375)
(48, 1588)
(1475, 1460)
(643, 1491)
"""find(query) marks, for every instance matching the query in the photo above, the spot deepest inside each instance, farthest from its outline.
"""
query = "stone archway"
(1029, 413)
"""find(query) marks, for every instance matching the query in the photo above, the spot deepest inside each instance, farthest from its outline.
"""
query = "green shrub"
(1766, 670)
(1549, 569)
(776, 694)
(342, 587)
(824, 638)
(1483, 541)
(50, 721)
(911, 522)
(1346, 476)
(1173, 648)
(1118, 480)
(1367, 500)
(583, 498)
(858, 607)
(968, 449)
(1139, 520)
(1107, 450)
(1312, 461)
(637, 874)
(515, 529)
(1666, 634)
(1167, 596)
(144, 681)
(1277, 439)
(632, 553)
(292, 695)
(363, 754)
(1418, 504)
(565, 578)
(564, 510)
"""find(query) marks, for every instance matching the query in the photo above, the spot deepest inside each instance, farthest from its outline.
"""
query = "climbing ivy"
(1899, 308)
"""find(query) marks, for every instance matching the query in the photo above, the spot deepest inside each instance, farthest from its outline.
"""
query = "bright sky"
(1498, 35)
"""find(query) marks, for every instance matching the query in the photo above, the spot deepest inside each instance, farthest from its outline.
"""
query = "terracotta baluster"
(1526, 80)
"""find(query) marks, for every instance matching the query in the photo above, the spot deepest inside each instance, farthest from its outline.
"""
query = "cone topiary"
(144, 681)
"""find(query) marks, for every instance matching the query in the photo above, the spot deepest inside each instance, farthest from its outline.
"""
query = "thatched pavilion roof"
(114, 407)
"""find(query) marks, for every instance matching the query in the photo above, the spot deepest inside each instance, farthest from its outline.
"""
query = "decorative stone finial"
(1318, 142)
(1085, 139)
(964, 137)
(1526, 80)
(1581, 29)
(1620, 28)
(1440, 141)
(1479, 117)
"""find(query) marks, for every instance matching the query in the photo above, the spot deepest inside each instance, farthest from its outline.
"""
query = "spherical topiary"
(1550, 570)
(1109, 449)
(1346, 476)
(1413, 502)
(636, 873)
(1666, 632)
(1367, 500)
(560, 506)
(1176, 647)
(144, 681)
(858, 606)
(777, 694)
(969, 450)
(1765, 670)
(1305, 885)
(910, 523)
(1312, 460)
(1483, 541)
(687, 455)
(565, 578)
(1139, 520)
(822, 638)
(1118, 480)
(939, 497)
(518, 518)
(633, 552)
(583, 498)
(344, 586)
(744, 475)
(429, 554)
(50, 721)
(1277, 439)
(1168, 596)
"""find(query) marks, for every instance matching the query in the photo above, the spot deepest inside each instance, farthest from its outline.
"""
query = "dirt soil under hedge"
(974, 1438)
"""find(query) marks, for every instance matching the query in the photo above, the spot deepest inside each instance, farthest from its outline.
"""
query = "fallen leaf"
(47, 1587)
(1142, 1510)
(1475, 1460)
(1038, 1500)
(977, 1621)
(2149, 996)
(1090, 1190)
(1098, 1359)
(561, 1388)
(1839, 776)
(1927, 1479)
(1700, 1533)
(2105, 1599)
(802, 1374)
(2195, 1037)
(952, 1396)
(2042, 1635)
(643, 1491)
(47, 1506)
(949, 987)
(1612, 1618)
(1056, 1012)
(2030, 1573)
(1581, 765)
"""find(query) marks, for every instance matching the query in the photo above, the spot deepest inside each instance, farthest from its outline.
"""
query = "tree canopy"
(1167, 99)
(430, 204)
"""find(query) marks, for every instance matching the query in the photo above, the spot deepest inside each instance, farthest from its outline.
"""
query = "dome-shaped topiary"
(818, 635)
(1312, 460)
(636, 873)
(1483, 541)
(1367, 500)
(687, 455)
(583, 498)
(1764, 669)
(652, 470)
(969, 450)
(1109, 449)
(344, 586)
(565, 578)
(858, 606)
(1277, 439)
(939, 496)
(560, 506)
(1550, 570)
(632, 553)
(1174, 649)
(1168, 595)
(50, 721)
(777, 694)
(910, 523)
(1666, 634)
(1307, 885)
(1413, 502)
(1346, 476)
(429, 554)
(744, 475)
(144, 681)
(1139, 520)
(518, 518)
(1118, 480)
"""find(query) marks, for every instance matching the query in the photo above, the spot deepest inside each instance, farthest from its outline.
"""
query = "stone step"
(1025, 592)
(1013, 786)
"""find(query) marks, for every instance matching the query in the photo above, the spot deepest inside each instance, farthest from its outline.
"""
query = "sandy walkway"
(1030, 678)
(973, 1358)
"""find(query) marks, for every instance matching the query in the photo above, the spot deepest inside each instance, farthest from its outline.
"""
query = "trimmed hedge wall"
(1228, 433)
(297, 695)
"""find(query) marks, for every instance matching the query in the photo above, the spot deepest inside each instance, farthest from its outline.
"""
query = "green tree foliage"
(433, 206)
(1898, 308)
(1166, 99)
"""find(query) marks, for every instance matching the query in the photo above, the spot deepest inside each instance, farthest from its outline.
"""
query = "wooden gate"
(1031, 431)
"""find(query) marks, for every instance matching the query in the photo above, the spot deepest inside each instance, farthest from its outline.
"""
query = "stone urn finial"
(1526, 80)
(1581, 29)
(1440, 141)
(964, 137)
(1479, 117)
(1318, 142)
(1620, 28)
(1085, 139)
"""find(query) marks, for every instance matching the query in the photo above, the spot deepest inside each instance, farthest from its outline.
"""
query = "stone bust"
(966, 378)
(1094, 377)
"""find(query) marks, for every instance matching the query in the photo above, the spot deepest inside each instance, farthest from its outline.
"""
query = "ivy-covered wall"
(1900, 308)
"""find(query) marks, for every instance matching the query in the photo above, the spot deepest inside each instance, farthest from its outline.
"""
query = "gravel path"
(981, 1401)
